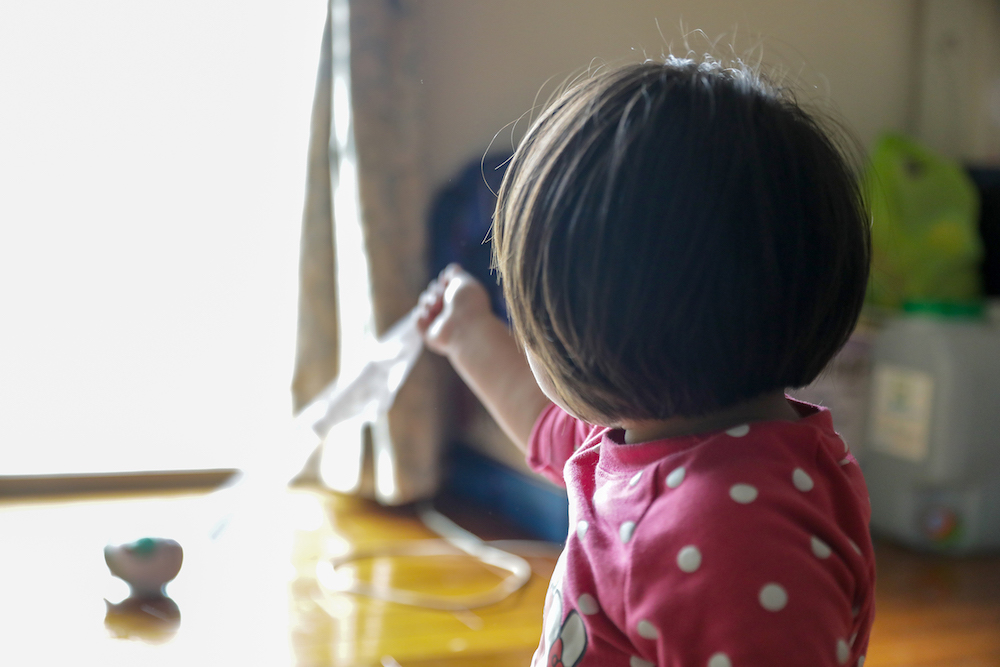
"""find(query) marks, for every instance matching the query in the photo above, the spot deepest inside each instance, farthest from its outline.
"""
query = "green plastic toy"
(925, 236)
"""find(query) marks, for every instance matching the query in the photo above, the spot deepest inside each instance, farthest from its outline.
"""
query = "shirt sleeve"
(554, 438)
(746, 581)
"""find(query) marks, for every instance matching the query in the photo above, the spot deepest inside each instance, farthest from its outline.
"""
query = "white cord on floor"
(334, 579)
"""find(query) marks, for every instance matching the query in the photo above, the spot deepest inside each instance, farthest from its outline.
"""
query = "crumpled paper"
(340, 413)
(371, 390)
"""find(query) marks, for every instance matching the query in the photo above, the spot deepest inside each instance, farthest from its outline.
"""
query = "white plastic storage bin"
(932, 455)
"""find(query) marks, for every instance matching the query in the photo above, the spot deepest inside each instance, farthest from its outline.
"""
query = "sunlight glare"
(151, 191)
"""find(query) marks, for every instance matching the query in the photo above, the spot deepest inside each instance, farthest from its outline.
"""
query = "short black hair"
(674, 238)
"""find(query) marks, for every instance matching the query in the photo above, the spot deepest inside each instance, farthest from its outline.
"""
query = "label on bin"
(901, 411)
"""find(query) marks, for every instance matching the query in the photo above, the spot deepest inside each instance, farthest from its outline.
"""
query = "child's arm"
(456, 321)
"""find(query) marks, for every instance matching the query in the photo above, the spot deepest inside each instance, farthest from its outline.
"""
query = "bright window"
(152, 171)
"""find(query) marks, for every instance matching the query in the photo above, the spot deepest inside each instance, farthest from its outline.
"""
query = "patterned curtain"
(363, 261)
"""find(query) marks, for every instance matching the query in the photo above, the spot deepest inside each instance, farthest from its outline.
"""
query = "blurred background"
(210, 210)
(153, 176)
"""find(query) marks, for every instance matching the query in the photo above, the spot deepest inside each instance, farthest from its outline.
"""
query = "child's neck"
(767, 407)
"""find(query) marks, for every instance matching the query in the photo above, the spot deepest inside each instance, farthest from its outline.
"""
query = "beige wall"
(485, 60)
(959, 79)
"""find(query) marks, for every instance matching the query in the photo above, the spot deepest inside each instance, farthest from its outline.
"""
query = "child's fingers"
(432, 301)
(425, 311)
(450, 272)
(430, 304)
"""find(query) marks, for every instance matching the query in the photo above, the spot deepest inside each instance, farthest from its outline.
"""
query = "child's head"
(674, 239)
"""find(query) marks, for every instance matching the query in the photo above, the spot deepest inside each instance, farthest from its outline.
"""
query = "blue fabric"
(460, 221)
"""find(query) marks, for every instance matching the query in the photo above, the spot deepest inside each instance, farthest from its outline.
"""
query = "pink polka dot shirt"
(739, 548)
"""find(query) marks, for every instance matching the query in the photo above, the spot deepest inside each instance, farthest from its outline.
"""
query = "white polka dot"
(689, 558)
(675, 478)
(601, 495)
(626, 530)
(743, 493)
(587, 604)
(845, 462)
(720, 660)
(803, 482)
(647, 630)
(855, 546)
(820, 548)
(843, 651)
(738, 431)
(861, 661)
(636, 661)
(581, 529)
(635, 479)
(855, 610)
(853, 638)
(773, 597)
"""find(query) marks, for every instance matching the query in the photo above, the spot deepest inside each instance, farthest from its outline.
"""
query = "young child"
(678, 243)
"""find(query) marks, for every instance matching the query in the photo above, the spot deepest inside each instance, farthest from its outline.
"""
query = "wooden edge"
(110, 483)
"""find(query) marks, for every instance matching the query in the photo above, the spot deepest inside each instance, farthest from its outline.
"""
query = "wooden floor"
(933, 611)
(251, 596)
(346, 630)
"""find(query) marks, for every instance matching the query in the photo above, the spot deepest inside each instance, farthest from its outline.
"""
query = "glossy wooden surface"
(934, 611)
(250, 595)
(361, 631)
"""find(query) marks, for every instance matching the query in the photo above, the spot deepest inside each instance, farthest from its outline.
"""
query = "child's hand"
(449, 307)
(455, 319)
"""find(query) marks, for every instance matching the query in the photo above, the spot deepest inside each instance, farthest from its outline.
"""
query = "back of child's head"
(676, 238)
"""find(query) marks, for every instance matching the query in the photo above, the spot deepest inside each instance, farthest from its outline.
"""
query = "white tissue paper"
(372, 390)
(338, 414)
(335, 418)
